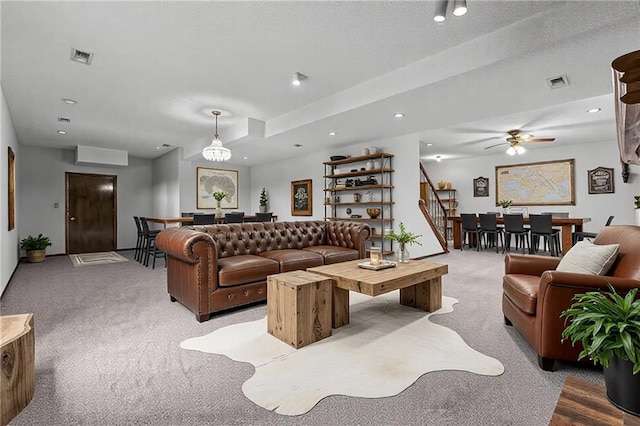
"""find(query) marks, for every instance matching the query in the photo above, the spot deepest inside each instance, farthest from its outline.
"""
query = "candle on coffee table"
(375, 255)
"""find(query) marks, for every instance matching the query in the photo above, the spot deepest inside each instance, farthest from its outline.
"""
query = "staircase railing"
(433, 209)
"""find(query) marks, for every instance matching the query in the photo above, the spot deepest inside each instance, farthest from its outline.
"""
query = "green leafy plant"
(403, 237)
(35, 243)
(504, 203)
(219, 195)
(636, 201)
(607, 325)
(263, 197)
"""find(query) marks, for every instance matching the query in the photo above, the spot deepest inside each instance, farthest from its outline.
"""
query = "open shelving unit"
(349, 191)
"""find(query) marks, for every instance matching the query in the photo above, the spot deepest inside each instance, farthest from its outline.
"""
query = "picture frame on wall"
(544, 183)
(600, 180)
(209, 181)
(301, 198)
(12, 189)
(481, 187)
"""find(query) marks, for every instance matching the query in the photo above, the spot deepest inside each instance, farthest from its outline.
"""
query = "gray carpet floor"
(107, 353)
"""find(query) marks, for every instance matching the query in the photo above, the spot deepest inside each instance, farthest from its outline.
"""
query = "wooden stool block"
(17, 349)
(299, 307)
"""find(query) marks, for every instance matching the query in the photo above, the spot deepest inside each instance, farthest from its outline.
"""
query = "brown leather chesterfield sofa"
(211, 268)
(535, 294)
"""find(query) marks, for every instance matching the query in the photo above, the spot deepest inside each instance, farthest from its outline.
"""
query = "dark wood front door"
(90, 212)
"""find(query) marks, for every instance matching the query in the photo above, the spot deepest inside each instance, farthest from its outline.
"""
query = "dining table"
(567, 224)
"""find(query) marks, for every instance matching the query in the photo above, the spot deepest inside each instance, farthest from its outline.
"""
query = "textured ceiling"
(160, 68)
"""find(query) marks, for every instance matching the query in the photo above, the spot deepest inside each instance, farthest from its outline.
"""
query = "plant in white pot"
(636, 203)
(403, 238)
(219, 196)
(263, 201)
(35, 247)
(608, 327)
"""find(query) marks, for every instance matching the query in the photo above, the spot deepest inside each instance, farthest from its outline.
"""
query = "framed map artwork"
(209, 181)
(547, 183)
(301, 198)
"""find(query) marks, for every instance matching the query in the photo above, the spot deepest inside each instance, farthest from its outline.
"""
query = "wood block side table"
(17, 376)
(299, 307)
(585, 403)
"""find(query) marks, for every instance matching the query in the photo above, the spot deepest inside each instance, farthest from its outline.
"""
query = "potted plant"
(263, 201)
(403, 238)
(608, 327)
(219, 195)
(35, 247)
(505, 204)
(636, 202)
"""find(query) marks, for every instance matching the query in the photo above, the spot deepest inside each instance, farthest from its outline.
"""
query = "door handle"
(72, 218)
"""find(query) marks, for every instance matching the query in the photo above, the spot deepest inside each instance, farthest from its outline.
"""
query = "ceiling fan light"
(460, 7)
(520, 150)
(511, 151)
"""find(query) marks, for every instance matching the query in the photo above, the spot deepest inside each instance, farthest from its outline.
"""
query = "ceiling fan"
(516, 137)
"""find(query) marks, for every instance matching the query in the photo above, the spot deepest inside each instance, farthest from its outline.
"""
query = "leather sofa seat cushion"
(333, 254)
(293, 259)
(522, 290)
(244, 269)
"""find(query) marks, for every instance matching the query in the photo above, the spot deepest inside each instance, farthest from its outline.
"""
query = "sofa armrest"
(555, 295)
(349, 235)
(529, 264)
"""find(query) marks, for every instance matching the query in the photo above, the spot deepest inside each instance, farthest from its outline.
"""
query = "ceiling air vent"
(80, 56)
(557, 82)
(64, 120)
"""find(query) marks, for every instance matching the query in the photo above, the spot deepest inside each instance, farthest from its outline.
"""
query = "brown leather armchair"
(535, 294)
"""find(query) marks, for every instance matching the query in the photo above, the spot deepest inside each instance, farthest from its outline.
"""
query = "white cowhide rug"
(385, 349)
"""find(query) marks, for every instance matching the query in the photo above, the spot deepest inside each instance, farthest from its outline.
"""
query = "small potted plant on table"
(35, 247)
(403, 238)
(505, 205)
(263, 201)
(608, 327)
(219, 196)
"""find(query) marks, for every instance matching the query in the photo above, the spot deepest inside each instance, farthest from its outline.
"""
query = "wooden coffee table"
(420, 285)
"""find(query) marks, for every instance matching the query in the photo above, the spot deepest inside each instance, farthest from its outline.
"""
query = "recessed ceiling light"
(594, 110)
(69, 101)
(245, 158)
(298, 78)
(398, 115)
(438, 158)
(429, 144)
(332, 133)
(62, 132)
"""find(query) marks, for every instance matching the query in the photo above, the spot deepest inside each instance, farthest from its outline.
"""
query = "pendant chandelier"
(215, 151)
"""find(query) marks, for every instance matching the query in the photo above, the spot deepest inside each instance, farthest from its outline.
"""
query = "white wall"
(41, 183)
(166, 185)
(598, 207)
(9, 253)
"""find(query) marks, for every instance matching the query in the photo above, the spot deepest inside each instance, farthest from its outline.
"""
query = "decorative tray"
(383, 265)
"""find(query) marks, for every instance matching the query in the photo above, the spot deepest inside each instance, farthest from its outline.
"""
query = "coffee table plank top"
(349, 276)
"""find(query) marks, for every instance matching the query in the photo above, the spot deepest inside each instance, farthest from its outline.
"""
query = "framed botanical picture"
(600, 180)
(481, 187)
(301, 198)
(210, 181)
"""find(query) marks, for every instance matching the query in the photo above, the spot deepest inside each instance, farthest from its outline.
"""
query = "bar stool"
(137, 254)
(150, 249)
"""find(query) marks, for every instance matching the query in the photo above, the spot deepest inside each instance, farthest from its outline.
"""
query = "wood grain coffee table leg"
(426, 296)
(340, 314)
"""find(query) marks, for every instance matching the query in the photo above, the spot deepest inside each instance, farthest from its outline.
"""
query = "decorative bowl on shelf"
(338, 157)
(373, 212)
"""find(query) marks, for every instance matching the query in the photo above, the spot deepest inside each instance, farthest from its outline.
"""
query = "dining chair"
(264, 217)
(137, 254)
(514, 225)
(541, 226)
(470, 229)
(149, 248)
(204, 219)
(579, 236)
(234, 217)
(490, 230)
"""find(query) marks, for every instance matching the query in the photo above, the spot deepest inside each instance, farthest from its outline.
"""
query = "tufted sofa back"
(257, 237)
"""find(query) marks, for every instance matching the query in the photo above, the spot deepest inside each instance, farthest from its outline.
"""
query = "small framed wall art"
(481, 187)
(600, 180)
(301, 198)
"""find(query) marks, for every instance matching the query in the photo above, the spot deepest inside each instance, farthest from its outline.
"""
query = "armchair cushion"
(588, 258)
